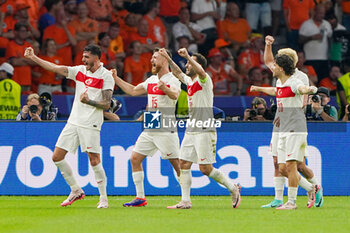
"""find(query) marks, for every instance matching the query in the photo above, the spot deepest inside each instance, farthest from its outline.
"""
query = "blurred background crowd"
(230, 33)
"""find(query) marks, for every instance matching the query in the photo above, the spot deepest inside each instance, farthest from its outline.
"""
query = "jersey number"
(154, 102)
(280, 106)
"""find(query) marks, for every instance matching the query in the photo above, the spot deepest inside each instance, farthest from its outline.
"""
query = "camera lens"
(33, 108)
(315, 98)
(253, 113)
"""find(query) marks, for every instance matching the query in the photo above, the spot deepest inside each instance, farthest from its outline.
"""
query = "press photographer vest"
(10, 99)
(345, 82)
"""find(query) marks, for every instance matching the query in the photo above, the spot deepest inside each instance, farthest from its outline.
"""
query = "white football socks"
(219, 177)
(185, 183)
(279, 187)
(313, 180)
(292, 194)
(101, 179)
(67, 174)
(138, 181)
(305, 184)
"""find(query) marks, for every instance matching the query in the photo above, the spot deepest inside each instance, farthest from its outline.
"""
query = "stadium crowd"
(229, 33)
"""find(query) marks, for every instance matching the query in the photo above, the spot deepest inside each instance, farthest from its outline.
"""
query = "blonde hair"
(290, 53)
(33, 96)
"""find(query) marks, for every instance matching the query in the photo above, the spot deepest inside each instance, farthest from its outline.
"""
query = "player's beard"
(156, 69)
(89, 65)
(190, 72)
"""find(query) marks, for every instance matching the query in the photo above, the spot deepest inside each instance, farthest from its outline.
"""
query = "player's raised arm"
(306, 90)
(175, 69)
(127, 87)
(268, 55)
(61, 70)
(195, 65)
(267, 90)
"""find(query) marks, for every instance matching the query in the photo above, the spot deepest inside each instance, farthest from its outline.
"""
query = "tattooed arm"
(103, 104)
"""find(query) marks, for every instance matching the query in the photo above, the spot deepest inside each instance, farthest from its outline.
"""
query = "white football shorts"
(292, 147)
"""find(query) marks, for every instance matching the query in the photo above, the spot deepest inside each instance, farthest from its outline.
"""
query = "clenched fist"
(183, 52)
(29, 52)
(269, 40)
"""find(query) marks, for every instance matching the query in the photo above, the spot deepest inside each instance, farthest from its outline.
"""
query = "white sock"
(67, 174)
(292, 194)
(219, 177)
(313, 180)
(185, 182)
(138, 181)
(305, 184)
(279, 187)
(101, 179)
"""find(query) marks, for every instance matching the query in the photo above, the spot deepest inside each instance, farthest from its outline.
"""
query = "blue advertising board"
(26, 167)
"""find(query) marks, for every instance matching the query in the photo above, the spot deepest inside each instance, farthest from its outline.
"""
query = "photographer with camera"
(258, 111)
(38, 108)
(110, 114)
(318, 108)
(32, 110)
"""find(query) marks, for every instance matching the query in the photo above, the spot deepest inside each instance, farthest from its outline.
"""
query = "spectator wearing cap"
(187, 28)
(234, 29)
(100, 11)
(320, 109)
(256, 78)
(64, 35)
(331, 81)
(253, 56)
(15, 55)
(225, 79)
(10, 93)
(50, 82)
(85, 27)
(295, 13)
(156, 26)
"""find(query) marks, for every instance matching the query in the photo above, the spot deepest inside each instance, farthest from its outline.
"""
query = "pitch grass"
(209, 214)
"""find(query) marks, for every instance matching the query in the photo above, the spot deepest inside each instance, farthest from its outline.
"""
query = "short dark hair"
(93, 49)
(201, 60)
(114, 24)
(18, 26)
(102, 35)
(50, 3)
(286, 63)
(167, 51)
(132, 44)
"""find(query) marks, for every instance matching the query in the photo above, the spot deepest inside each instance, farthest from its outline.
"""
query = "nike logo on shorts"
(169, 154)
(88, 147)
(203, 159)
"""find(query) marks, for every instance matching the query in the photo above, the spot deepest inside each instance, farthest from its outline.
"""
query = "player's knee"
(283, 170)
(94, 159)
(134, 160)
(205, 170)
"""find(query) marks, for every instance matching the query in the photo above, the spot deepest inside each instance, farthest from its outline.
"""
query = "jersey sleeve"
(174, 82)
(295, 86)
(304, 78)
(144, 84)
(187, 79)
(72, 72)
(108, 83)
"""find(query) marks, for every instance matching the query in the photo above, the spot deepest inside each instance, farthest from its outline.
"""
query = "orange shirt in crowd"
(326, 82)
(125, 32)
(221, 79)
(117, 45)
(49, 77)
(298, 11)
(107, 58)
(120, 17)
(9, 7)
(256, 93)
(60, 36)
(250, 59)
(144, 40)
(237, 31)
(345, 5)
(98, 9)
(169, 7)
(89, 25)
(138, 69)
(22, 74)
(156, 29)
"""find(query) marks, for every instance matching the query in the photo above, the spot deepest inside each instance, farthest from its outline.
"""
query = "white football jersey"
(303, 78)
(199, 95)
(289, 107)
(93, 84)
(157, 98)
